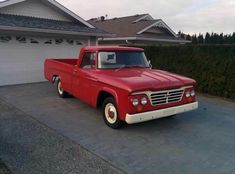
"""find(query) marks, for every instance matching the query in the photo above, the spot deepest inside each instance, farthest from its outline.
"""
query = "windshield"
(122, 59)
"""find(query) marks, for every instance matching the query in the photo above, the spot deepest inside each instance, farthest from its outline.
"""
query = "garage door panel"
(24, 62)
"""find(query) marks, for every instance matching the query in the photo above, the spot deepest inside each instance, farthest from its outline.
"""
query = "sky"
(189, 16)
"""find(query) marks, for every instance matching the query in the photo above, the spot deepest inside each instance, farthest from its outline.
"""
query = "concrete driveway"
(199, 142)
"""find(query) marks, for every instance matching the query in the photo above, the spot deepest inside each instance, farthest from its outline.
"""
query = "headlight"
(144, 101)
(188, 94)
(192, 93)
(135, 102)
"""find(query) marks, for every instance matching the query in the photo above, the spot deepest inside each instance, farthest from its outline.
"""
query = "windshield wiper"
(131, 66)
(135, 66)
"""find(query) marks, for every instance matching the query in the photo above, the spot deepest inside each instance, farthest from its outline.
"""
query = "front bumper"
(152, 115)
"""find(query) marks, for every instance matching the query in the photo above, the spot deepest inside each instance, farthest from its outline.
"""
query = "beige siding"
(93, 41)
(155, 32)
(34, 8)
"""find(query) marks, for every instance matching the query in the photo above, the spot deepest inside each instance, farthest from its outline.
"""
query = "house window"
(21, 39)
(79, 43)
(58, 41)
(70, 41)
(34, 41)
(48, 42)
(5, 39)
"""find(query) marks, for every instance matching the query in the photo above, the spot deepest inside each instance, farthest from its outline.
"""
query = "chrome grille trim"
(164, 97)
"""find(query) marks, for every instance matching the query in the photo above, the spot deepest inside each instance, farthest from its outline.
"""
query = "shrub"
(213, 66)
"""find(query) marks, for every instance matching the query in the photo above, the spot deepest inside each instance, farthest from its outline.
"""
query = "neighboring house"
(31, 30)
(136, 30)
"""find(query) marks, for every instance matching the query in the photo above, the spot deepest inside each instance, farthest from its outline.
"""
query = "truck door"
(84, 84)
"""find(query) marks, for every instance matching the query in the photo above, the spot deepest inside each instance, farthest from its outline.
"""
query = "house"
(31, 30)
(136, 30)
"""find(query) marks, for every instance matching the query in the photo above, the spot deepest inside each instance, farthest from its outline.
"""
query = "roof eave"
(9, 2)
(163, 40)
(143, 17)
(64, 32)
(66, 10)
(56, 4)
(144, 39)
(156, 23)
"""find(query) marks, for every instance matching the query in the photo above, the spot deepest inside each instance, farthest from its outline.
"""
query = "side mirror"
(150, 65)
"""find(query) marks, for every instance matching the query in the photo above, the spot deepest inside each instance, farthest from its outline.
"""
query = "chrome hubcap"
(110, 113)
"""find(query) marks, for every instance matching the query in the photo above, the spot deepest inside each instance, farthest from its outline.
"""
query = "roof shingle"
(123, 27)
(138, 27)
(40, 23)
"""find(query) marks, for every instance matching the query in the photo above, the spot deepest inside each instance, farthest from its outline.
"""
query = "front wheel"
(60, 90)
(110, 114)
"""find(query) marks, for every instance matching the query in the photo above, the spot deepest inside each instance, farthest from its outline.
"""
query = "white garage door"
(22, 58)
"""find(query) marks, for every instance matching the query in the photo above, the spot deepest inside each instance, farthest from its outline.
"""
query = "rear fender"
(54, 78)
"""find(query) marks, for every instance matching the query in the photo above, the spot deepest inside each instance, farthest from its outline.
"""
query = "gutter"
(143, 39)
(38, 30)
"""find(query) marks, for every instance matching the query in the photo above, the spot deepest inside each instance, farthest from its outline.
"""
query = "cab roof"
(111, 48)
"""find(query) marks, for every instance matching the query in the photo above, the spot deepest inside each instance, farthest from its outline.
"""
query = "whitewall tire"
(110, 113)
(60, 90)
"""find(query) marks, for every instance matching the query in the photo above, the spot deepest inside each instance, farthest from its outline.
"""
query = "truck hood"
(142, 79)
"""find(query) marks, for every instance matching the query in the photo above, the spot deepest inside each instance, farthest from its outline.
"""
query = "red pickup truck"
(121, 81)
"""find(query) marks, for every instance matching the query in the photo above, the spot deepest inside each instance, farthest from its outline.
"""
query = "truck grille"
(164, 97)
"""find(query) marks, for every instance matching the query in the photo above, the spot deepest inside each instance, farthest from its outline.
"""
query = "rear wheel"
(110, 114)
(60, 90)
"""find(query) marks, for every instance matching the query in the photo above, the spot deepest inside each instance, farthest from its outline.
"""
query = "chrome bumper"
(152, 115)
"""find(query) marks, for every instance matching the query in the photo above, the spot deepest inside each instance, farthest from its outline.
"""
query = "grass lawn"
(3, 168)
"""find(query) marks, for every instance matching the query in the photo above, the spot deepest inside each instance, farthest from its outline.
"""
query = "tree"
(208, 38)
(181, 34)
(221, 39)
(200, 39)
(188, 37)
(194, 39)
(226, 39)
(233, 38)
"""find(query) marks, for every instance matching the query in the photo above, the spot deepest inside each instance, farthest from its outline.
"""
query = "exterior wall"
(115, 43)
(156, 32)
(34, 8)
(93, 41)
(23, 62)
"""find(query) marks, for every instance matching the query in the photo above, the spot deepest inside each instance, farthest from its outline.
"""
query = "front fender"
(121, 98)
(112, 92)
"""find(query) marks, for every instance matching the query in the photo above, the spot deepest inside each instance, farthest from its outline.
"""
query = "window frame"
(98, 59)
(92, 66)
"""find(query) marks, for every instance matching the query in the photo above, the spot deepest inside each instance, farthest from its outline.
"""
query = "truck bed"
(66, 61)
(62, 68)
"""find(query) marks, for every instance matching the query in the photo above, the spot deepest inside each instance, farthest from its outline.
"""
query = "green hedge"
(212, 66)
